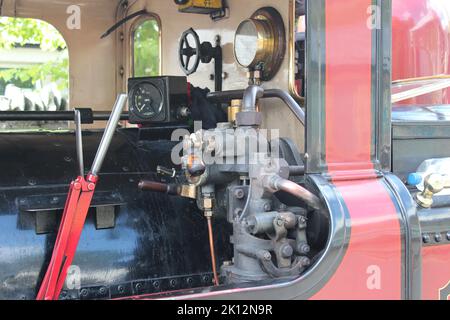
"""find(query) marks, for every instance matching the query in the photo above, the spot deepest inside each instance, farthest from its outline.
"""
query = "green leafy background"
(20, 32)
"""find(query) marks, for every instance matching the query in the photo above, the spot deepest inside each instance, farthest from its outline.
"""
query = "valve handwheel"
(189, 55)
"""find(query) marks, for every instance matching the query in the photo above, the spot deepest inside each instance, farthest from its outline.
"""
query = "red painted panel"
(348, 84)
(372, 266)
(435, 271)
(421, 44)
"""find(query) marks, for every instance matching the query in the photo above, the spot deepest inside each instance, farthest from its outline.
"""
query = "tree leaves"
(18, 32)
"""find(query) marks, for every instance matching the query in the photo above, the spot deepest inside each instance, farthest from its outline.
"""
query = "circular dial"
(260, 43)
(246, 43)
(146, 101)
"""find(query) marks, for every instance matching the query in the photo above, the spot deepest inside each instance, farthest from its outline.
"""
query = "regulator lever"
(79, 141)
(81, 192)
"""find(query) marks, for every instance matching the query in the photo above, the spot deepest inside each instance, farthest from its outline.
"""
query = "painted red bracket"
(78, 202)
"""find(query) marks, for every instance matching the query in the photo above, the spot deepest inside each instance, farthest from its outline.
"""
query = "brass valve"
(433, 184)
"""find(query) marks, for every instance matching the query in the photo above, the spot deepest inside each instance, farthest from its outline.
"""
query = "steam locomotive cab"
(265, 160)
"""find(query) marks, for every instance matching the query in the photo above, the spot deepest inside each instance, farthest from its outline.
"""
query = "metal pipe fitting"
(279, 184)
(225, 96)
(251, 96)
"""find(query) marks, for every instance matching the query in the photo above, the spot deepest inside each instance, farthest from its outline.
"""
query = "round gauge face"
(146, 101)
(246, 43)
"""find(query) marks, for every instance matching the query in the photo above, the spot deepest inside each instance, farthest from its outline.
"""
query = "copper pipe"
(213, 255)
(280, 184)
(153, 186)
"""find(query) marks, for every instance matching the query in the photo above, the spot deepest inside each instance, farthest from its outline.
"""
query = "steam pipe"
(251, 96)
(226, 96)
(279, 184)
(295, 171)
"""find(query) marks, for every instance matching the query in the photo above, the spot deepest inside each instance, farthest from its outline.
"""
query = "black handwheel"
(187, 54)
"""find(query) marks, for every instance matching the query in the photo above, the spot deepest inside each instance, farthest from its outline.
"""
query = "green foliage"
(19, 32)
(146, 49)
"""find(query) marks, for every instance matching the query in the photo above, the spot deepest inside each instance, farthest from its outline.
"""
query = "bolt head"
(287, 251)
(267, 256)
(304, 248)
(305, 261)
(426, 238)
(239, 194)
(438, 237)
(84, 293)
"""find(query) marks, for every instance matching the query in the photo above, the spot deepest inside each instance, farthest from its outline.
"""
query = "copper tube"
(211, 247)
(153, 186)
(296, 190)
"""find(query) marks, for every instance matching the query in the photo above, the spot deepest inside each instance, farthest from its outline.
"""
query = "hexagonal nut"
(249, 118)
(207, 203)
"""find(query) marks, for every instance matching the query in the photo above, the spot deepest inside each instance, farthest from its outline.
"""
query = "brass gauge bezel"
(271, 43)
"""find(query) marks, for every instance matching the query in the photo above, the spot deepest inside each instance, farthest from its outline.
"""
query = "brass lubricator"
(433, 184)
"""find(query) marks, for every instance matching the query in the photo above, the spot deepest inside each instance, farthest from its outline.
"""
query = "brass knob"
(433, 184)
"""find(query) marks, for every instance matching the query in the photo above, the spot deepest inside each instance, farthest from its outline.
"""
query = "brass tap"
(433, 184)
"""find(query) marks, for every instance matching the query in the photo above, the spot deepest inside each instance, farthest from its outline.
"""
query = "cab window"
(34, 61)
(34, 69)
(146, 47)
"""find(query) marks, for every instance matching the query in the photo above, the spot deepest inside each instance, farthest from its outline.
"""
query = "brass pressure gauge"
(260, 42)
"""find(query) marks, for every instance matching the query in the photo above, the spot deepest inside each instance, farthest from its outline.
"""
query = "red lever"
(78, 202)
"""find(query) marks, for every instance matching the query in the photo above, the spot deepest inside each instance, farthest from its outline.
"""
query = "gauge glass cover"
(147, 101)
(246, 43)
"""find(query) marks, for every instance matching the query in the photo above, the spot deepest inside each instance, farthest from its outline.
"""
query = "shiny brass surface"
(433, 184)
(271, 42)
(189, 191)
(233, 110)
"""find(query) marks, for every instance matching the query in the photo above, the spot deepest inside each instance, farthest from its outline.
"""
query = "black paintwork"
(154, 235)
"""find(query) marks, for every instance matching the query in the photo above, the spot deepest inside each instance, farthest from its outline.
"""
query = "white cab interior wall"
(95, 64)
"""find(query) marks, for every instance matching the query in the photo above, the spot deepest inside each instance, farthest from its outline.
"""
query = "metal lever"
(79, 141)
(109, 133)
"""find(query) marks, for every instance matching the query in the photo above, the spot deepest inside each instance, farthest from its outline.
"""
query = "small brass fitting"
(189, 191)
(433, 184)
(233, 110)
(208, 214)
(207, 204)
